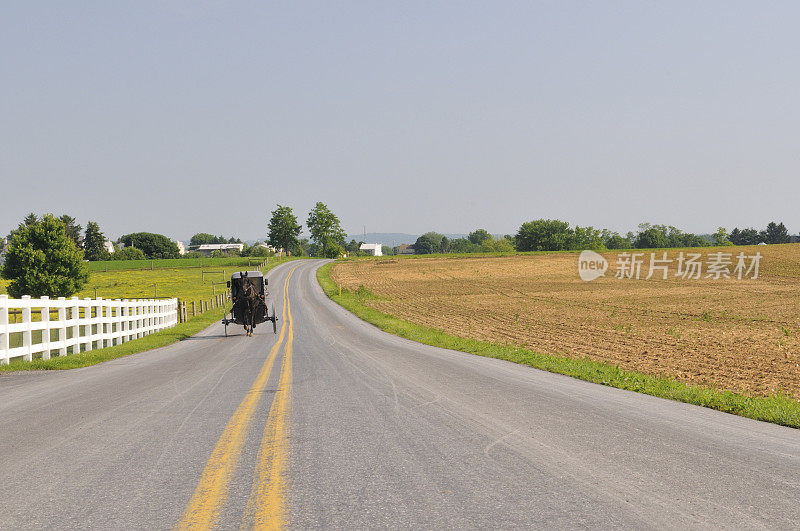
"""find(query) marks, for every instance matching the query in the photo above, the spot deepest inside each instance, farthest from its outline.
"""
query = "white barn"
(208, 248)
(375, 249)
(268, 247)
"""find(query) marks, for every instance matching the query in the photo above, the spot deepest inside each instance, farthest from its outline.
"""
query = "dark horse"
(248, 300)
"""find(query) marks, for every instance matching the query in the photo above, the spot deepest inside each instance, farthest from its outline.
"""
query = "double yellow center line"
(266, 507)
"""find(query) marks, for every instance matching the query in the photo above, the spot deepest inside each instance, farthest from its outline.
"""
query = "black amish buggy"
(248, 293)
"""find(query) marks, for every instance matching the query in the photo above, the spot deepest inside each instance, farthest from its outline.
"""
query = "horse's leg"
(247, 322)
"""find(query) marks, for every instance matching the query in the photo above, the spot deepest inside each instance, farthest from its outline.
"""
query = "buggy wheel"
(226, 328)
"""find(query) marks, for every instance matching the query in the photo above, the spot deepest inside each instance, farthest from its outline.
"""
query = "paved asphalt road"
(334, 424)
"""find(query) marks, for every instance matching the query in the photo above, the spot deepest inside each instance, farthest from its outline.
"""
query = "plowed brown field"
(742, 335)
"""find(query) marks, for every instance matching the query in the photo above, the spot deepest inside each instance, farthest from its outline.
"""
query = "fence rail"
(81, 324)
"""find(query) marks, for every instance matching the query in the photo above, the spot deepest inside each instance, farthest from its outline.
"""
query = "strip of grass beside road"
(777, 409)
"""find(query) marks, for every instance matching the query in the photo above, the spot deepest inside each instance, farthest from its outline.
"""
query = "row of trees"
(479, 241)
(327, 235)
(556, 235)
(137, 245)
(327, 238)
(774, 233)
(45, 256)
(658, 236)
(92, 241)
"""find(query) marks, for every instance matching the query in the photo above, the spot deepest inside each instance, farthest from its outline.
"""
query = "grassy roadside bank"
(776, 409)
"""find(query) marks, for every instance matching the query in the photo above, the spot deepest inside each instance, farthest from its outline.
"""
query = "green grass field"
(174, 263)
(185, 282)
(777, 409)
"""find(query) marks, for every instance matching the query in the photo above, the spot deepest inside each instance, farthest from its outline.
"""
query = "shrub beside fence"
(68, 326)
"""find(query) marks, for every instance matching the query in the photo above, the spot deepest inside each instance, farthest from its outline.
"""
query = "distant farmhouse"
(225, 248)
(405, 249)
(268, 247)
(109, 246)
(375, 249)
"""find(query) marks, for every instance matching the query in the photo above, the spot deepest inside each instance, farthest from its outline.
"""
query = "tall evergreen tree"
(775, 233)
(94, 243)
(30, 219)
(72, 229)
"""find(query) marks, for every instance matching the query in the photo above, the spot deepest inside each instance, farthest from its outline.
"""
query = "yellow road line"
(266, 508)
(212, 490)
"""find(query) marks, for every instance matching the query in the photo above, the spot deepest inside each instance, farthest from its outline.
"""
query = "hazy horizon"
(183, 117)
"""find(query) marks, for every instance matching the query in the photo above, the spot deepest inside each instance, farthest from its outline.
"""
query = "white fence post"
(101, 322)
(113, 326)
(62, 330)
(4, 333)
(140, 312)
(88, 323)
(45, 316)
(27, 333)
(124, 320)
(76, 326)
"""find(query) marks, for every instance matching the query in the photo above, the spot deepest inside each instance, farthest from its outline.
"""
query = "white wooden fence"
(79, 324)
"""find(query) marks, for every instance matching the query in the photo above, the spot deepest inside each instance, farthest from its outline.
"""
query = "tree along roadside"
(284, 230)
(326, 231)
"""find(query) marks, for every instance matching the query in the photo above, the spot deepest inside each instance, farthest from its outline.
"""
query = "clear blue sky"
(181, 117)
